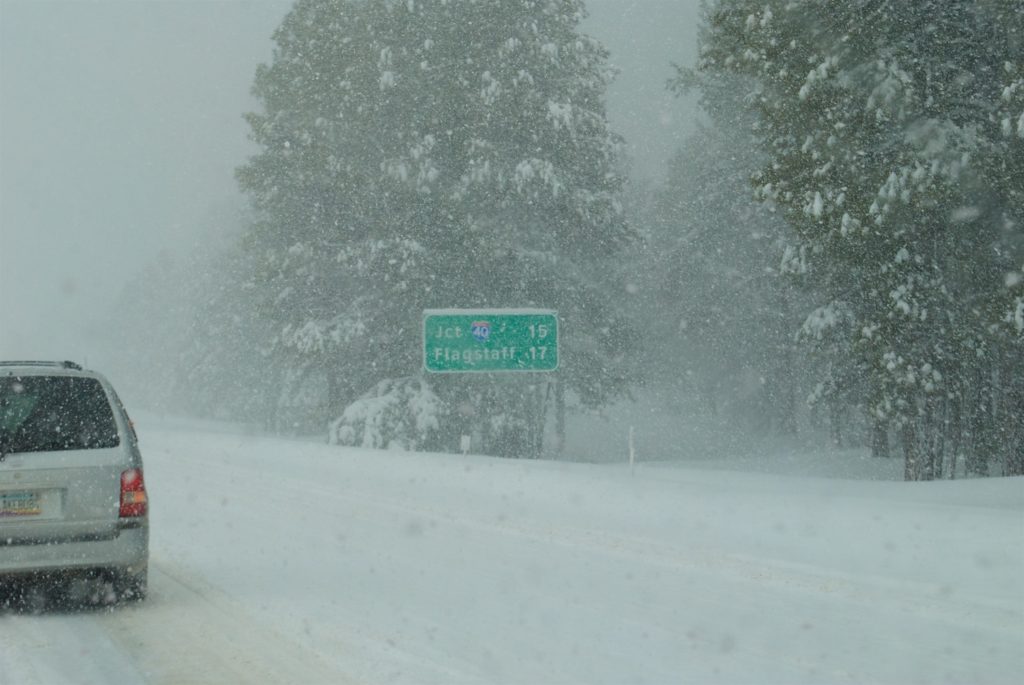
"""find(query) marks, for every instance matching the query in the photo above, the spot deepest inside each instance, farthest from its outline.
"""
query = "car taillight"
(133, 493)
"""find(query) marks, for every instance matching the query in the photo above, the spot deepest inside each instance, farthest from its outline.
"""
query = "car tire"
(131, 585)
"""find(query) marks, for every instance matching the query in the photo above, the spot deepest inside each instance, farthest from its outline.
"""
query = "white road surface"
(277, 561)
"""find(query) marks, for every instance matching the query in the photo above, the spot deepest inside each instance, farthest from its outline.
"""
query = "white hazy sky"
(120, 129)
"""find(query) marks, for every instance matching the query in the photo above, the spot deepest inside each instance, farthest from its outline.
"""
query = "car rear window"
(47, 413)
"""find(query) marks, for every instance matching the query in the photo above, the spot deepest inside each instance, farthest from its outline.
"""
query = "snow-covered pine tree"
(876, 117)
(1001, 160)
(433, 153)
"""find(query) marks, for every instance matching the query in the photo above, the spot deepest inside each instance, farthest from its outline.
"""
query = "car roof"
(43, 368)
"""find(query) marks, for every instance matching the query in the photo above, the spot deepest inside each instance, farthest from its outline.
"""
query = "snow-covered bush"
(508, 435)
(397, 413)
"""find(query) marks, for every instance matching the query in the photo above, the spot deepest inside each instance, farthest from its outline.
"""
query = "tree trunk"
(981, 424)
(835, 426)
(788, 422)
(928, 440)
(879, 438)
(941, 430)
(956, 428)
(1015, 455)
(911, 459)
(1015, 459)
(786, 381)
(335, 393)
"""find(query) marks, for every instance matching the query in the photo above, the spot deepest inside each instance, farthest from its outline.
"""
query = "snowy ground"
(290, 561)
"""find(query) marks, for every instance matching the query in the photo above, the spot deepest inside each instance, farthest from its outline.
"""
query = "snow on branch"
(823, 319)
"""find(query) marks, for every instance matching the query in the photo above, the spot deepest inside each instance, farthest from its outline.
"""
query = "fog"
(121, 127)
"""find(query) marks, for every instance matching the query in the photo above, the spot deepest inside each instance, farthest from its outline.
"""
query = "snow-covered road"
(286, 561)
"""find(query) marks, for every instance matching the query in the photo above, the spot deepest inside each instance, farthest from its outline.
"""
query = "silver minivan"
(73, 501)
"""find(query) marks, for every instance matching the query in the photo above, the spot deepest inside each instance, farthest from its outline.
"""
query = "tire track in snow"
(390, 503)
(901, 596)
(187, 631)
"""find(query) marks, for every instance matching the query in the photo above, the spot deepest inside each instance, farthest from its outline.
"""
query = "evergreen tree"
(430, 154)
(889, 159)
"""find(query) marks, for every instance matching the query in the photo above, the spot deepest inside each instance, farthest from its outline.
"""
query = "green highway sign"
(489, 340)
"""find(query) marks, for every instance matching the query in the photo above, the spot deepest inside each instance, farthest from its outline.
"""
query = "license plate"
(19, 504)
